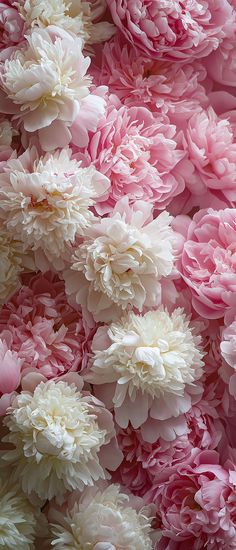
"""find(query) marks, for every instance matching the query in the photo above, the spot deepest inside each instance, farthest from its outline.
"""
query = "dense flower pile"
(118, 274)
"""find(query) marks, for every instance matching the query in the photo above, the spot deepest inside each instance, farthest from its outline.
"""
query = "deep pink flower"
(167, 87)
(197, 503)
(45, 331)
(140, 155)
(171, 28)
(208, 262)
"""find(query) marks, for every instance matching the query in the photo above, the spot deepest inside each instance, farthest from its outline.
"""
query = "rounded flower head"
(12, 264)
(101, 520)
(150, 363)
(76, 16)
(208, 261)
(11, 24)
(171, 28)
(44, 84)
(169, 88)
(57, 433)
(212, 149)
(18, 519)
(140, 155)
(45, 332)
(45, 201)
(120, 262)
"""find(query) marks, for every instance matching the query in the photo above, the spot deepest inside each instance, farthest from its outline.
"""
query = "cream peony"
(13, 263)
(46, 201)
(101, 520)
(75, 16)
(150, 363)
(57, 433)
(121, 261)
(18, 519)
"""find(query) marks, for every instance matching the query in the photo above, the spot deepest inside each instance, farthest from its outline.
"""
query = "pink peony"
(10, 371)
(196, 504)
(170, 28)
(45, 332)
(140, 155)
(11, 24)
(212, 149)
(208, 261)
(170, 88)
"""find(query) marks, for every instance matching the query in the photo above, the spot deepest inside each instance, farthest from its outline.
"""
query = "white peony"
(57, 434)
(13, 262)
(75, 16)
(120, 262)
(46, 201)
(18, 519)
(151, 364)
(102, 520)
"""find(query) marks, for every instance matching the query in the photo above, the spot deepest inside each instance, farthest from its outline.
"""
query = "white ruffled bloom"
(75, 16)
(12, 263)
(120, 263)
(46, 201)
(47, 78)
(57, 438)
(150, 361)
(102, 520)
(18, 519)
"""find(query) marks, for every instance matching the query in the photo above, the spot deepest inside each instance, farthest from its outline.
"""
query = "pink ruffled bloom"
(140, 155)
(196, 505)
(212, 149)
(170, 88)
(45, 332)
(172, 29)
(208, 261)
(11, 24)
(10, 371)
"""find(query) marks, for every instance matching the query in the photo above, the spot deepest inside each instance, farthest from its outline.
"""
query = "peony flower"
(221, 65)
(141, 157)
(228, 352)
(211, 148)
(44, 83)
(102, 520)
(120, 262)
(11, 24)
(57, 433)
(151, 364)
(196, 504)
(76, 16)
(10, 372)
(46, 202)
(13, 262)
(173, 29)
(170, 88)
(208, 261)
(43, 330)
(18, 519)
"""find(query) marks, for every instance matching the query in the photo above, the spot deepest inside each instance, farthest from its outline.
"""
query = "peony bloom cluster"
(117, 274)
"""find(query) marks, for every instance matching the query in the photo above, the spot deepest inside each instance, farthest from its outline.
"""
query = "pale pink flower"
(212, 149)
(196, 504)
(10, 371)
(11, 24)
(140, 155)
(171, 28)
(120, 262)
(208, 261)
(170, 88)
(47, 334)
(47, 202)
(45, 84)
(146, 369)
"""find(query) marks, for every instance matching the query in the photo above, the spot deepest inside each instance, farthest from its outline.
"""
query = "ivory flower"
(12, 264)
(120, 262)
(57, 433)
(150, 363)
(76, 16)
(46, 201)
(102, 520)
(45, 84)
